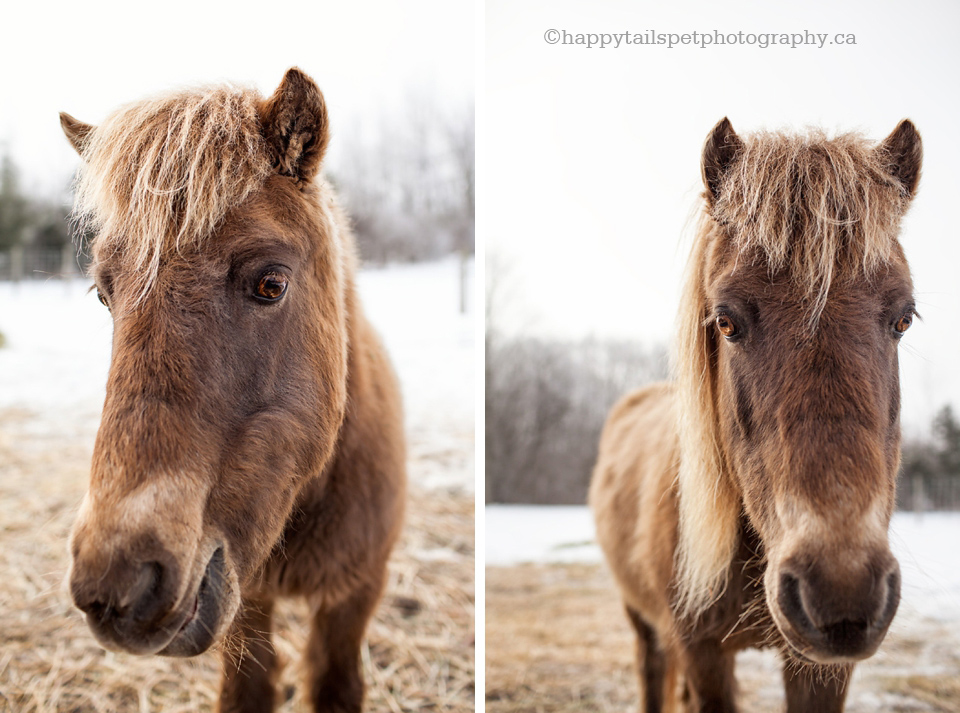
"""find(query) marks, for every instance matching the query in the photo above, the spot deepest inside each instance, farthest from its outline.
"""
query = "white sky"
(88, 58)
(592, 155)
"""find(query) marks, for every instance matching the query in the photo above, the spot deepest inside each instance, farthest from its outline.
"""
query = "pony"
(251, 444)
(747, 503)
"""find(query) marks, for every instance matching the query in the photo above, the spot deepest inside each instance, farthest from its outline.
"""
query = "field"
(557, 640)
(419, 653)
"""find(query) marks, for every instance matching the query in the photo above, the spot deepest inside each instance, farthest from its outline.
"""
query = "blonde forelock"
(161, 174)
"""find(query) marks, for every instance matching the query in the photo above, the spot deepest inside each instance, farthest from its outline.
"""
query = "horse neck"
(373, 397)
(366, 374)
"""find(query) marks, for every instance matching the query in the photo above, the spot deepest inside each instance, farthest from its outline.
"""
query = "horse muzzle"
(831, 616)
(141, 607)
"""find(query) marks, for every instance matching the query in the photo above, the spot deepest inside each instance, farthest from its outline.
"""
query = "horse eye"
(903, 324)
(727, 326)
(103, 300)
(271, 287)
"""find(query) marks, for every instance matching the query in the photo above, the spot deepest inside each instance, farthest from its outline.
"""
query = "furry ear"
(719, 151)
(294, 122)
(76, 131)
(902, 153)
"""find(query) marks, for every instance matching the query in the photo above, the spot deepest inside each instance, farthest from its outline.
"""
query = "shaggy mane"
(161, 174)
(814, 207)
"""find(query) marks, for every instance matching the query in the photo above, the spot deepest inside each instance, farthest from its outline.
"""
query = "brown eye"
(103, 300)
(727, 326)
(903, 324)
(271, 287)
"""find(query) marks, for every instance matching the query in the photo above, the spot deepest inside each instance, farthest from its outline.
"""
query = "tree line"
(930, 466)
(27, 219)
(545, 405)
(408, 180)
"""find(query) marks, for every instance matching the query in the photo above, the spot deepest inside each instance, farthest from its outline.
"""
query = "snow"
(415, 308)
(928, 548)
(54, 365)
(926, 544)
(516, 534)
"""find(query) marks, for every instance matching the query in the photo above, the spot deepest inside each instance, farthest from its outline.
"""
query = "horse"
(251, 444)
(747, 502)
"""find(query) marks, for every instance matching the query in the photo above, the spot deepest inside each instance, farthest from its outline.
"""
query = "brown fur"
(247, 449)
(747, 504)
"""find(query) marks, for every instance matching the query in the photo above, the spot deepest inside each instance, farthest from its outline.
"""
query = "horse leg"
(333, 653)
(651, 664)
(708, 672)
(249, 663)
(813, 690)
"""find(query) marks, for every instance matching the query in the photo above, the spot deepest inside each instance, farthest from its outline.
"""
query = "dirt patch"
(557, 641)
(419, 653)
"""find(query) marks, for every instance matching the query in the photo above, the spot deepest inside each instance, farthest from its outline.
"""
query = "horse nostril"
(147, 581)
(143, 599)
(888, 606)
(139, 601)
(96, 609)
(791, 602)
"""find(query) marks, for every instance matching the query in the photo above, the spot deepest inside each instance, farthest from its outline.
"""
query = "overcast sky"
(592, 155)
(88, 58)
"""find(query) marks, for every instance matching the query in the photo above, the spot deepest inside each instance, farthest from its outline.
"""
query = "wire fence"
(933, 492)
(33, 262)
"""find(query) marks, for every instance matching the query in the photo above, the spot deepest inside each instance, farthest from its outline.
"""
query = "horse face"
(227, 386)
(809, 419)
(226, 390)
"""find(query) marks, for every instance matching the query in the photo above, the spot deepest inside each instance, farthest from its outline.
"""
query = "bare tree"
(462, 139)
(409, 182)
(546, 402)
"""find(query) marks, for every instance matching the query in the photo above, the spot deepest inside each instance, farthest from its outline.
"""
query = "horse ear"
(295, 126)
(76, 131)
(719, 151)
(902, 152)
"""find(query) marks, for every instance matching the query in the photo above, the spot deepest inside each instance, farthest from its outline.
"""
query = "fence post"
(68, 262)
(16, 263)
(463, 282)
(919, 494)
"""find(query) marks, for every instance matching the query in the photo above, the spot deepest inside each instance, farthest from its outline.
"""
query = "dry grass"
(557, 641)
(419, 654)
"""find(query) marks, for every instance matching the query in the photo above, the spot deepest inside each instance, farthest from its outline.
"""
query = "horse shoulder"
(633, 498)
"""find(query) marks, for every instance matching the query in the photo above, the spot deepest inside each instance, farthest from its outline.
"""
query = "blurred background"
(594, 186)
(398, 79)
(590, 191)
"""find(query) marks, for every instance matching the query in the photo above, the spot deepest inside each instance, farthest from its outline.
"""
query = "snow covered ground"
(54, 365)
(416, 309)
(927, 546)
(516, 534)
